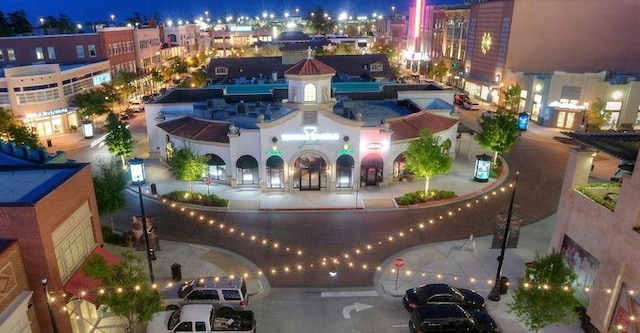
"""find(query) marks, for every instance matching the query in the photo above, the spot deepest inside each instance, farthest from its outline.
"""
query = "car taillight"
(413, 305)
(243, 304)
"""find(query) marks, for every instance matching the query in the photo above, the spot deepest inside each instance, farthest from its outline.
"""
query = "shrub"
(413, 198)
(196, 198)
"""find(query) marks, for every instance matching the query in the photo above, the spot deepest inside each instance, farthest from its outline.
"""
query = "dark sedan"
(438, 318)
(441, 293)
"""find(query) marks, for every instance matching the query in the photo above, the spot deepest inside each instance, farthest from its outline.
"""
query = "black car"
(442, 293)
(450, 318)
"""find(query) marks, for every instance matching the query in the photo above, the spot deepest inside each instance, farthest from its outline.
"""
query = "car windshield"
(185, 290)
(174, 320)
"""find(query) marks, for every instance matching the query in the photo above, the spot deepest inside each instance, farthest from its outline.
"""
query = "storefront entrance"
(310, 172)
(371, 169)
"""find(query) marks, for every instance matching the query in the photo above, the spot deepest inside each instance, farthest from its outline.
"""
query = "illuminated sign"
(101, 78)
(51, 113)
(485, 45)
(345, 151)
(310, 135)
(374, 145)
(274, 151)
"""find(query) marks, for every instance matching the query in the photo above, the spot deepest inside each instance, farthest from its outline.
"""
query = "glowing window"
(310, 92)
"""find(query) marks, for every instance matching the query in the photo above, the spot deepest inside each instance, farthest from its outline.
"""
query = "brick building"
(49, 213)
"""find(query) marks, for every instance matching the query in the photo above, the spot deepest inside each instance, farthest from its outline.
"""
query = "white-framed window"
(73, 241)
(377, 67)
(12, 54)
(92, 50)
(222, 71)
(39, 53)
(52, 52)
(80, 51)
(310, 93)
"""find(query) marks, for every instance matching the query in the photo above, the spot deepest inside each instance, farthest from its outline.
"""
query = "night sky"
(101, 10)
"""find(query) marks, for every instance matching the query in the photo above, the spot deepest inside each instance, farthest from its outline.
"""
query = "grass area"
(196, 198)
(418, 197)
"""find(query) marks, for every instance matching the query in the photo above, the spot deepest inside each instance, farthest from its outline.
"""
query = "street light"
(45, 288)
(494, 295)
(136, 169)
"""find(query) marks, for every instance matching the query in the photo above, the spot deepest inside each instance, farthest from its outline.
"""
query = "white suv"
(222, 292)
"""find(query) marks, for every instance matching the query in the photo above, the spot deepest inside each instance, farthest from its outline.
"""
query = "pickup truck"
(202, 318)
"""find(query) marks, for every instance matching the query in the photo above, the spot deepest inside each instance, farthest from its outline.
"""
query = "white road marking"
(346, 311)
(371, 293)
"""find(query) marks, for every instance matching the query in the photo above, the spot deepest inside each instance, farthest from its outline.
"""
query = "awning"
(275, 162)
(345, 161)
(372, 161)
(246, 162)
(85, 287)
(215, 160)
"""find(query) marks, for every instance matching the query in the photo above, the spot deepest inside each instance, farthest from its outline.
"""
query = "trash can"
(176, 272)
(154, 190)
(49, 143)
(504, 285)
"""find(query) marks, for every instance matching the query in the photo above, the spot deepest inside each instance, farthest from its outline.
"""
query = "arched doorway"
(310, 172)
(217, 169)
(344, 171)
(275, 172)
(400, 167)
(247, 168)
(371, 169)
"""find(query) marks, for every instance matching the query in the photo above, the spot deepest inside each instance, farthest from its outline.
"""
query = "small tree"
(498, 133)
(92, 103)
(596, 116)
(545, 296)
(128, 292)
(512, 98)
(186, 165)
(119, 139)
(109, 185)
(426, 157)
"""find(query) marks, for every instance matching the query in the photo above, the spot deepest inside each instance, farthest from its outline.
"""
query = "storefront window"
(247, 170)
(275, 172)
(344, 171)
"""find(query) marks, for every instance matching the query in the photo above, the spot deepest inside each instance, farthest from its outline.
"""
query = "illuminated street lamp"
(136, 171)
(113, 19)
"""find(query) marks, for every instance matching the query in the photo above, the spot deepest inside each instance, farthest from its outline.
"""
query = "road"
(346, 235)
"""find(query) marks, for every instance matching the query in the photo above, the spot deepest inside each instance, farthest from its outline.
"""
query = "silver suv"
(222, 292)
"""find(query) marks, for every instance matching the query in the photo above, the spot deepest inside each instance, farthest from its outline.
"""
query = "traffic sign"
(207, 181)
(398, 262)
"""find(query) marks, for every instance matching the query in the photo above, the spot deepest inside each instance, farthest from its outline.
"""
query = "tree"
(596, 116)
(5, 27)
(16, 132)
(109, 184)
(426, 157)
(119, 139)
(19, 23)
(545, 296)
(512, 98)
(127, 292)
(92, 103)
(186, 165)
(123, 83)
(498, 133)
(437, 70)
(318, 21)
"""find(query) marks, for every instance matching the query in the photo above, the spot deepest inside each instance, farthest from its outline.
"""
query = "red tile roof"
(196, 129)
(310, 67)
(409, 127)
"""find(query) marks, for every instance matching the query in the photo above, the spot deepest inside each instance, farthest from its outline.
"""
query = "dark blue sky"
(96, 10)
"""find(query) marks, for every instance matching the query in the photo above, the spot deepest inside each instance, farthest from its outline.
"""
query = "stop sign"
(398, 262)
(207, 181)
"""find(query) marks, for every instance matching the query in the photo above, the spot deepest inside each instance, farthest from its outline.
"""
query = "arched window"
(310, 94)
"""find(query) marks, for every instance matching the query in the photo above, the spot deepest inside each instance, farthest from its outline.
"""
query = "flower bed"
(418, 197)
(195, 198)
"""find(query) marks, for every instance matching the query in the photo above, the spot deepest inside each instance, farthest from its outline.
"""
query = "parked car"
(469, 105)
(442, 293)
(489, 114)
(202, 318)
(136, 106)
(450, 318)
(459, 99)
(126, 114)
(221, 292)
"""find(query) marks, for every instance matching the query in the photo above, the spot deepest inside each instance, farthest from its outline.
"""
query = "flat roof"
(26, 184)
(621, 144)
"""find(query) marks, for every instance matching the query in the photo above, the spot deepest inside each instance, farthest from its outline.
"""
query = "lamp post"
(45, 288)
(136, 169)
(494, 295)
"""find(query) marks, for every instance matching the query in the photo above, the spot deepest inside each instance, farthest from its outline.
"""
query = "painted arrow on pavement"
(346, 312)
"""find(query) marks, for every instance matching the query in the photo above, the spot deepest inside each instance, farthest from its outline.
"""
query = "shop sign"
(274, 152)
(345, 151)
(374, 145)
(311, 135)
(50, 113)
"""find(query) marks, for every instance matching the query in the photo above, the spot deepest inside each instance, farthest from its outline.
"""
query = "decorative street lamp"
(45, 288)
(136, 170)
(494, 295)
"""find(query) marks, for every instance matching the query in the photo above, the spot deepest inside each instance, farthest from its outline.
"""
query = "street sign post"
(398, 262)
(207, 182)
